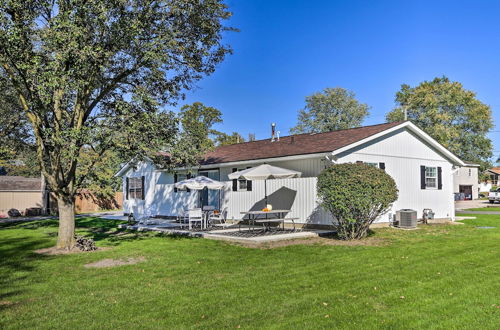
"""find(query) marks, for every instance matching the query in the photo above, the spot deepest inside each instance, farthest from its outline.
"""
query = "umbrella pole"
(220, 200)
(265, 193)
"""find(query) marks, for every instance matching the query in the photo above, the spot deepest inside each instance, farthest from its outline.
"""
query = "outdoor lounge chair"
(194, 216)
(218, 219)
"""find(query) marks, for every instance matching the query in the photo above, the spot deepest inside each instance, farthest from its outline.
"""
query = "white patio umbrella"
(264, 172)
(199, 183)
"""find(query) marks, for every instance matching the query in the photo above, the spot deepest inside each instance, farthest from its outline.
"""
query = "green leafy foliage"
(223, 139)
(96, 74)
(355, 194)
(330, 110)
(195, 135)
(450, 114)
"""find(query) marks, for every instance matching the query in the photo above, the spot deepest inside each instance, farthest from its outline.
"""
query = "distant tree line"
(444, 109)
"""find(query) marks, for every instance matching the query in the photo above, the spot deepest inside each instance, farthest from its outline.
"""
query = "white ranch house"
(422, 168)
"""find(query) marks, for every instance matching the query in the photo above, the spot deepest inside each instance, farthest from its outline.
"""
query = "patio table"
(256, 217)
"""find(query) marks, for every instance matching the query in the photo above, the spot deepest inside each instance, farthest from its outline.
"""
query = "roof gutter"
(255, 161)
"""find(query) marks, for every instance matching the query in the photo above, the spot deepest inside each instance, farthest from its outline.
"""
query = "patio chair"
(218, 219)
(182, 216)
(194, 216)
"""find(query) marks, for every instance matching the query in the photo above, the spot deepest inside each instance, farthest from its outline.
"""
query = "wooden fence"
(87, 202)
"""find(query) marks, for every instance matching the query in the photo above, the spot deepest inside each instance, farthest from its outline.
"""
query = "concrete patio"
(243, 234)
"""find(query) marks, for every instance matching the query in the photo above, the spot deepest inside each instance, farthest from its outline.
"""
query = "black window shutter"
(142, 186)
(249, 184)
(126, 188)
(422, 177)
(235, 181)
(175, 181)
(188, 176)
(381, 166)
(440, 178)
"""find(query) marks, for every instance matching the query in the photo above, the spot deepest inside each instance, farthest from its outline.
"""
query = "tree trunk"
(66, 236)
(45, 196)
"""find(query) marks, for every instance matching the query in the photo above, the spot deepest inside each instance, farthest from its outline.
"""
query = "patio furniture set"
(208, 217)
(204, 218)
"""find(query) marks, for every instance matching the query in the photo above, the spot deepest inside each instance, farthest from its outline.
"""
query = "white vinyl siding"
(401, 152)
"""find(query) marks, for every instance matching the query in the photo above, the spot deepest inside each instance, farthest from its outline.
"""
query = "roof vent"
(273, 131)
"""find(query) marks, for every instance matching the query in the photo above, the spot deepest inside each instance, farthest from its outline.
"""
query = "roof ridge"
(339, 130)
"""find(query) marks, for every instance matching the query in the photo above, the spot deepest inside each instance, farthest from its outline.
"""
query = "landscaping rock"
(85, 244)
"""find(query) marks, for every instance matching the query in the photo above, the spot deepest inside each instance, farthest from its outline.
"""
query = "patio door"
(210, 197)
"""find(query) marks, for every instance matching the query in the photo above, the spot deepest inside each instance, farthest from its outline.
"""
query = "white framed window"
(135, 188)
(372, 164)
(431, 177)
(178, 178)
(377, 165)
(242, 183)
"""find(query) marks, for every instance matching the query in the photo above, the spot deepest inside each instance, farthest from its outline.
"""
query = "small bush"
(493, 189)
(355, 194)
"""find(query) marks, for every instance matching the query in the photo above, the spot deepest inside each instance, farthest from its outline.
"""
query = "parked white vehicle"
(494, 196)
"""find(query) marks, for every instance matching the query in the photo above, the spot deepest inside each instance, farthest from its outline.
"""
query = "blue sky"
(289, 49)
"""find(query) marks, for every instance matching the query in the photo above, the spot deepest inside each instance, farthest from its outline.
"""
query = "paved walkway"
(475, 204)
(463, 206)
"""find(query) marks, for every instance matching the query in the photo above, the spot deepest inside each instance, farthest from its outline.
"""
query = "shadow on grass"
(96, 228)
(16, 259)
(35, 224)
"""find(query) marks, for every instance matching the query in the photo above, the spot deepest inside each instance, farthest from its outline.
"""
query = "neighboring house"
(422, 168)
(493, 175)
(17, 192)
(466, 182)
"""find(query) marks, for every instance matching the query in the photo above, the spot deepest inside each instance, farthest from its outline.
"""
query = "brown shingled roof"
(13, 183)
(495, 169)
(300, 144)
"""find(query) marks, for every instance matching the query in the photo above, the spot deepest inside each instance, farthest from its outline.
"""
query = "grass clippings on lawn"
(106, 263)
(53, 251)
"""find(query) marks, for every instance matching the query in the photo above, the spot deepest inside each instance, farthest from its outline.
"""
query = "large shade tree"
(450, 114)
(330, 110)
(17, 148)
(92, 75)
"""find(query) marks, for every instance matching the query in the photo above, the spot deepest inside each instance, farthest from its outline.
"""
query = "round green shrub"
(355, 194)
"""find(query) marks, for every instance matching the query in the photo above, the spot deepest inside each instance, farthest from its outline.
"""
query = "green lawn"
(440, 277)
(485, 209)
